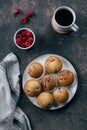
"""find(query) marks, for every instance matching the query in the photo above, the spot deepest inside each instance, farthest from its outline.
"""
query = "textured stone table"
(72, 46)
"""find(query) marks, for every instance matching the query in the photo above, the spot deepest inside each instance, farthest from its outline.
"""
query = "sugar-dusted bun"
(32, 88)
(65, 77)
(60, 95)
(53, 64)
(48, 82)
(35, 70)
(45, 99)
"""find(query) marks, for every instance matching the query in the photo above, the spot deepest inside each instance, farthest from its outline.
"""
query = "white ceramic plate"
(66, 65)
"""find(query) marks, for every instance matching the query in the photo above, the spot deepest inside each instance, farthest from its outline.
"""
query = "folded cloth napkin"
(11, 117)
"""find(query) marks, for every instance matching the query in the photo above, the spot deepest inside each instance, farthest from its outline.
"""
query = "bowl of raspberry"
(24, 38)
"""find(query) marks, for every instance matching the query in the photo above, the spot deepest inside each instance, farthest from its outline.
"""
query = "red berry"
(16, 10)
(27, 44)
(29, 34)
(24, 33)
(19, 36)
(24, 38)
(18, 41)
(30, 40)
(23, 44)
(29, 14)
(24, 19)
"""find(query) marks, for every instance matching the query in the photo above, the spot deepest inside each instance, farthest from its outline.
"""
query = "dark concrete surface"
(72, 46)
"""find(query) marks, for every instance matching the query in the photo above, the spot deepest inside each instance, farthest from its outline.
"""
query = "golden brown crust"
(65, 77)
(45, 99)
(48, 82)
(60, 95)
(32, 88)
(35, 70)
(53, 64)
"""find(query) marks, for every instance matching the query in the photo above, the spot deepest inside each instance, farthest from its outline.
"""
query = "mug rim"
(69, 9)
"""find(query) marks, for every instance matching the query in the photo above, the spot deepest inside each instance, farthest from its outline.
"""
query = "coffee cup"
(63, 20)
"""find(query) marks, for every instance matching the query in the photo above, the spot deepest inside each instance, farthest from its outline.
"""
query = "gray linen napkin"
(11, 117)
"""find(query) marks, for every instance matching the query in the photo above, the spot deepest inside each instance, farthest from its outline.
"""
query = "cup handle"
(75, 28)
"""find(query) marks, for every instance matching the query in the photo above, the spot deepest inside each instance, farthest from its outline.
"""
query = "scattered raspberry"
(30, 40)
(29, 14)
(23, 19)
(16, 10)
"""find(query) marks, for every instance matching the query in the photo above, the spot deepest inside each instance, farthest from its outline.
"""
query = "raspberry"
(18, 41)
(29, 14)
(24, 38)
(29, 34)
(30, 40)
(24, 19)
(16, 10)
(24, 33)
(19, 36)
(27, 44)
(23, 45)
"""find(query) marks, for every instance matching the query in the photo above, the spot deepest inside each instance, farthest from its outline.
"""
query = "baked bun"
(53, 64)
(65, 77)
(48, 82)
(35, 70)
(45, 99)
(32, 88)
(60, 95)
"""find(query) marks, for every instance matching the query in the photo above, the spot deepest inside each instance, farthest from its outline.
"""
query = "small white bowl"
(15, 35)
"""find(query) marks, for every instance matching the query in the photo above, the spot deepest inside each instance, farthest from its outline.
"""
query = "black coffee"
(64, 17)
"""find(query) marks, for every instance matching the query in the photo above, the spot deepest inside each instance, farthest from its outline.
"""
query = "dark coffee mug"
(63, 20)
